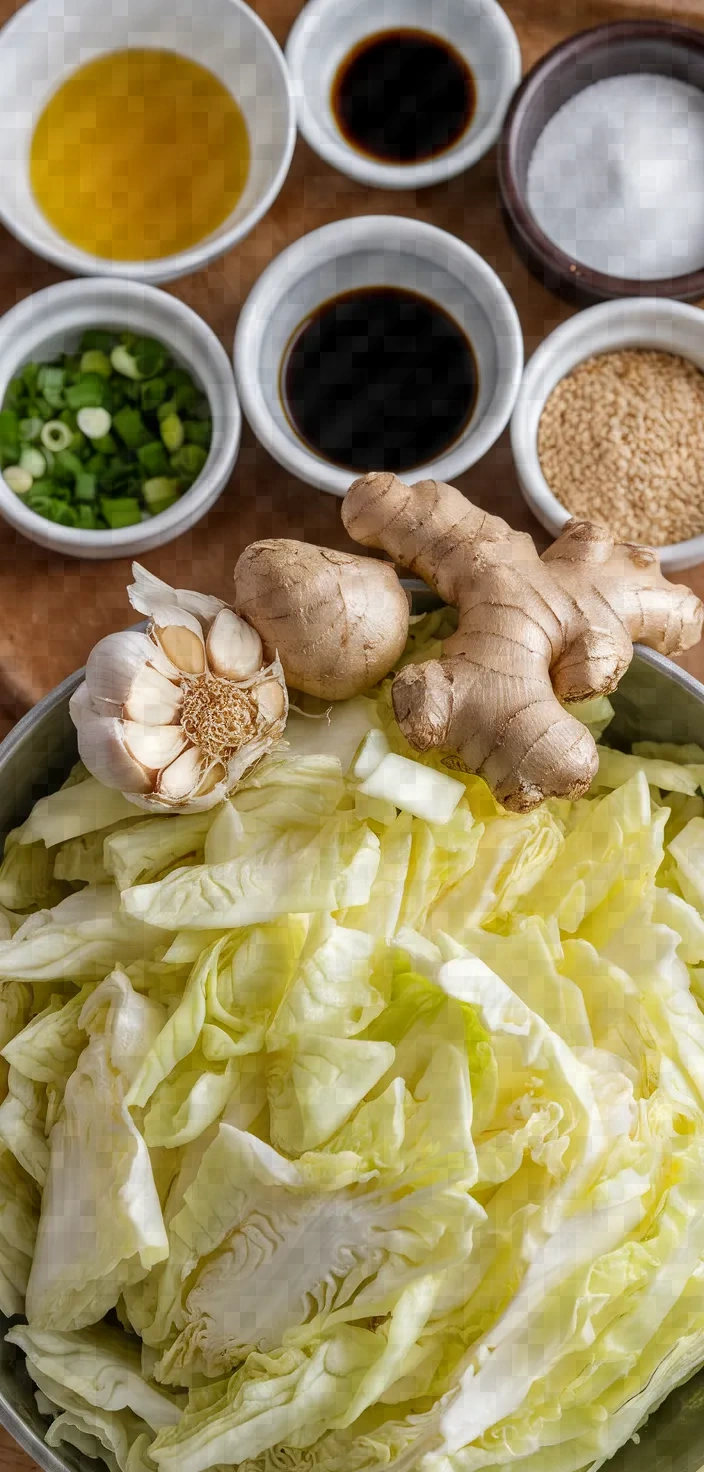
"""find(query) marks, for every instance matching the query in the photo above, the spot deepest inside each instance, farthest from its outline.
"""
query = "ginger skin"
(531, 629)
(338, 622)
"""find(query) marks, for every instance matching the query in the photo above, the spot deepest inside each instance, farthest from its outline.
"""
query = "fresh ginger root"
(533, 631)
(337, 622)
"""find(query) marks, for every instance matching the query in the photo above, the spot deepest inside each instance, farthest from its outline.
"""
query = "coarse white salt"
(616, 179)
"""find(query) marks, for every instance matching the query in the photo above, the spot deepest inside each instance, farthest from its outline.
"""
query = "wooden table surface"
(52, 609)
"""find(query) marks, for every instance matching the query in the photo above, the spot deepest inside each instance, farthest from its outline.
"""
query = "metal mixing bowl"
(656, 701)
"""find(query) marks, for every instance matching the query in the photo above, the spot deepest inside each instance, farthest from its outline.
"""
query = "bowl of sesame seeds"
(609, 426)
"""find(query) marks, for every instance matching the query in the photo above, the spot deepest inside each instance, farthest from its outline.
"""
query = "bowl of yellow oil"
(140, 141)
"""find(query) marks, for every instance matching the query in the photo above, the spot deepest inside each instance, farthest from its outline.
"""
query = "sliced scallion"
(94, 423)
(55, 435)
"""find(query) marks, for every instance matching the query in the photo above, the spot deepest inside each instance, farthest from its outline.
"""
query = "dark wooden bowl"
(659, 47)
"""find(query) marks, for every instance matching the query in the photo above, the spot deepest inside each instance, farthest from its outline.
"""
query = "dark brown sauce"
(379, 379)
(403, 96)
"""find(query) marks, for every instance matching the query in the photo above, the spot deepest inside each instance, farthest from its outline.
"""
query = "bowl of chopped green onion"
(119, 419)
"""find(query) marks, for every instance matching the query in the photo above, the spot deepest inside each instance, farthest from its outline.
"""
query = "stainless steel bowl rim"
(641, 690)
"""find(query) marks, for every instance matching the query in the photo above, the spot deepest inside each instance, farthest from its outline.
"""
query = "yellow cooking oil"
(139, 154)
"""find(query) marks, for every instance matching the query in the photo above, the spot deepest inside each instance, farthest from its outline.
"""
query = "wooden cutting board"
(53, 609)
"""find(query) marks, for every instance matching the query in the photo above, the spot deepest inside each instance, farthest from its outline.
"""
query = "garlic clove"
(159, 661)
(153, 700)
(233, 647)
(102, 748)
(216, 774)
(180, 779)
(148, 593)
(181, 638)
(153, 746)
(81, 704)
(271, 701)
(114, 664)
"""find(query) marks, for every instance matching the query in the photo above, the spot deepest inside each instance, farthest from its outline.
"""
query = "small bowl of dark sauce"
(401, 93)
(378, 343)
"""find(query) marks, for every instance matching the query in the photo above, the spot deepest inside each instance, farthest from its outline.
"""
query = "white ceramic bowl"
(48, 39)
(630, 322)
(51, 322)
(327, 30)
(376, 250)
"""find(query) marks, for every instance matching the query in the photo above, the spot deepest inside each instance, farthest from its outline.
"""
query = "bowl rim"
(540, 252)
(350, 236)
(165, 268)
(199, 497)
(341, 155)
(545, 505)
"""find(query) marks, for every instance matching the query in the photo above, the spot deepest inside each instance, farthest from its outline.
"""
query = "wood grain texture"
(12, 1458)
(52, 609)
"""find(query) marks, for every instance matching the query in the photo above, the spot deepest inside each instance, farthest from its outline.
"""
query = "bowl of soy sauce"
(377, 343)
(401, 93)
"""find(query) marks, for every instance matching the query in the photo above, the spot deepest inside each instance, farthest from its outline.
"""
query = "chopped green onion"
(198, 432)
(64, 514)
(119, 475)
(41, 503)
(9, 437)
(177, 378)
(146, 353)
(96, 338)
(94, 423)
(29, 377)
(86, 518)
(152, 393)
(106, 445)
(18, 479)
(172, 432)
(189, 460)
(50, 382)
(88, 392)
(86, 486)
(131, 428)
(33, 461)
(149, 356)
(168, 407)
(30, 429)
(95, 361)
(186, 397)
(67, 465)
(124, 363)
(96, 464)
(106, 435)
(153, 459)
(124, 511)
(55, 435)
(161, 492)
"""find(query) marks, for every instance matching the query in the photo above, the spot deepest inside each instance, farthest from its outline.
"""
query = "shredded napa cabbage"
(335, 1138)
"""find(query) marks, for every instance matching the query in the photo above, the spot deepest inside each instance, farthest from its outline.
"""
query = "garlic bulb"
(174, 717)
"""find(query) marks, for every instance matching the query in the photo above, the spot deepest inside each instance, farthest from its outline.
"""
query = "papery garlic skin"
(176, 716)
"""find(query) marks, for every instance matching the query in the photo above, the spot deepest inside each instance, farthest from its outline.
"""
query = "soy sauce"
(403, 96)
(379, 378)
